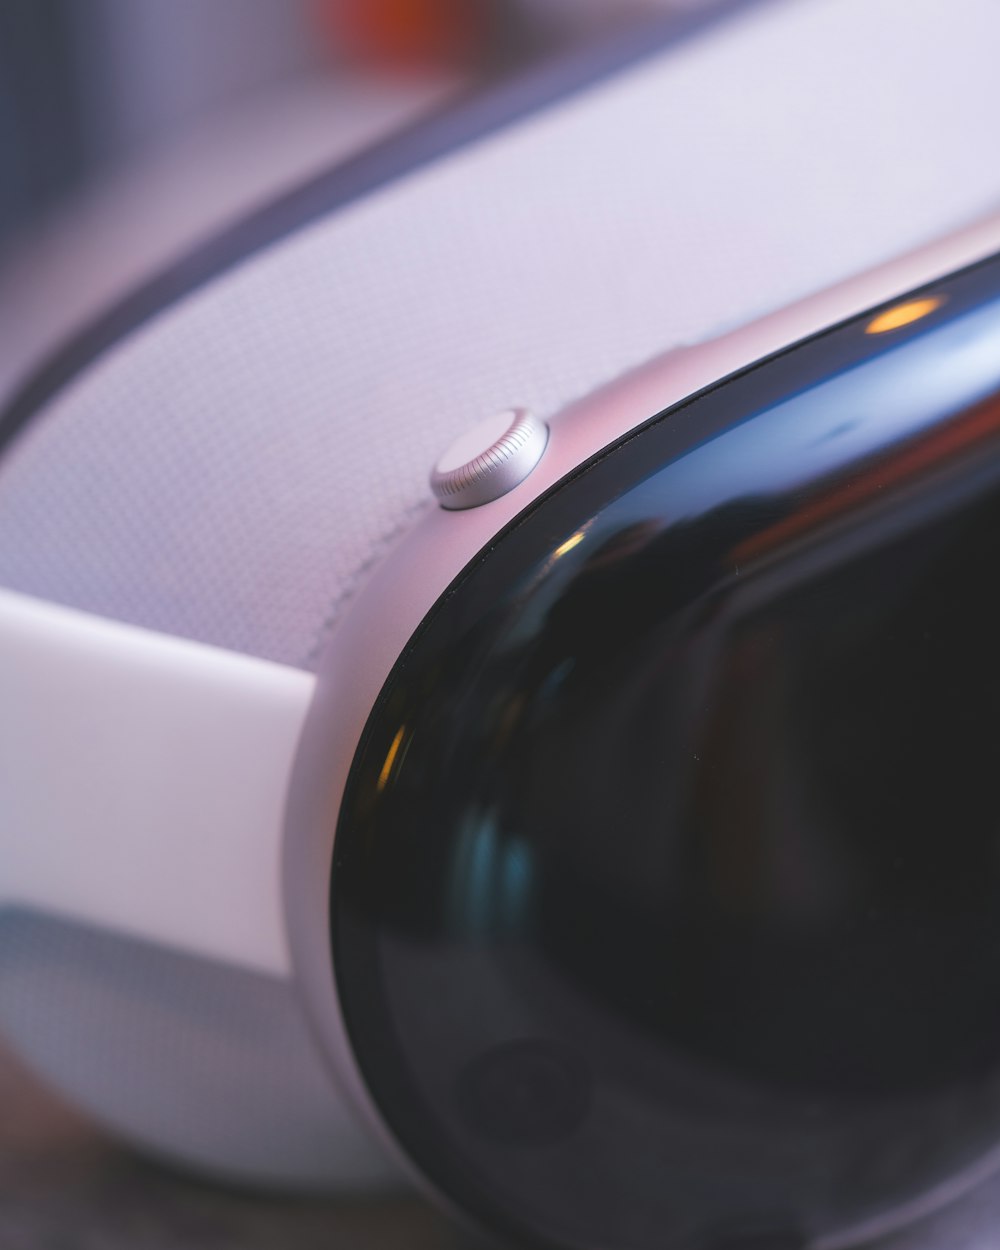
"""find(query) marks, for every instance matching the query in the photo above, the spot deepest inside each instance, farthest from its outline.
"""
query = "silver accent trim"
(503, 464)
(373, 633)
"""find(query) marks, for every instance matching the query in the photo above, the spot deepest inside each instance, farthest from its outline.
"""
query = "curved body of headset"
(200, 939)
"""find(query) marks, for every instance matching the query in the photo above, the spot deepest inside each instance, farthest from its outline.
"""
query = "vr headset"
(603, 834)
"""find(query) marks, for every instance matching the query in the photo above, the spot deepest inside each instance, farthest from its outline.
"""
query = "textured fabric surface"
(231, 471)
(65, 271)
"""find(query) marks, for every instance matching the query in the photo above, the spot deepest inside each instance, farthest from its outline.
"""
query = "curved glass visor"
(666, 910)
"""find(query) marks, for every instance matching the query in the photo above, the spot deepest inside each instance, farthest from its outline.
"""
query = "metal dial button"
(490, 459)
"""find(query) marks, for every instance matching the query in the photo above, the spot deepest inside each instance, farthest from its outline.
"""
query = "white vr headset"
(604, 844)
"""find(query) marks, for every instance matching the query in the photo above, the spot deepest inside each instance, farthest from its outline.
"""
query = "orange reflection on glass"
(903, 314)
(390, 759)
(571, 542)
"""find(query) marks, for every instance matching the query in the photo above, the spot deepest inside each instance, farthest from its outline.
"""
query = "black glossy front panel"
(666, 904)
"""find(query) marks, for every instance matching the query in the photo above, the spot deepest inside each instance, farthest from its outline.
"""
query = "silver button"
(490, 459)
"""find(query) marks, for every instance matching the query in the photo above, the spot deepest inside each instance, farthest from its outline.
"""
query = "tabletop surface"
(66, 1186)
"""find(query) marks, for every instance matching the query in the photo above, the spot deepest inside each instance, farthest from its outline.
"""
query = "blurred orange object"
(401, 33)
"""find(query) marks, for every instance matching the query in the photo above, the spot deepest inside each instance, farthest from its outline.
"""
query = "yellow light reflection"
(573, 541)
(903, 314)
(390, 759)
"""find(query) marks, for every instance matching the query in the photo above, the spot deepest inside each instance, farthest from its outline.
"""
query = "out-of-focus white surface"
(143, 783)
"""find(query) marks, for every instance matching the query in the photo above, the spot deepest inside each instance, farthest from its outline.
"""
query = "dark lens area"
(667, 899)
(805, 805)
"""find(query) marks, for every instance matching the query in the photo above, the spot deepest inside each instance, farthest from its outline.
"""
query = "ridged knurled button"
(490, 459)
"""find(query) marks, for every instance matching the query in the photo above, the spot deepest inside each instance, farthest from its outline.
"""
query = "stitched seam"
(380, 549)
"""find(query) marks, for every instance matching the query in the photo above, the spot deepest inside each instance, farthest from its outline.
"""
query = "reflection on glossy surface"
(677, 922)
(902, 314)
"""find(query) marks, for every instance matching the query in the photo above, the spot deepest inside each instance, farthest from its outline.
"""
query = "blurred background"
(132, 129)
